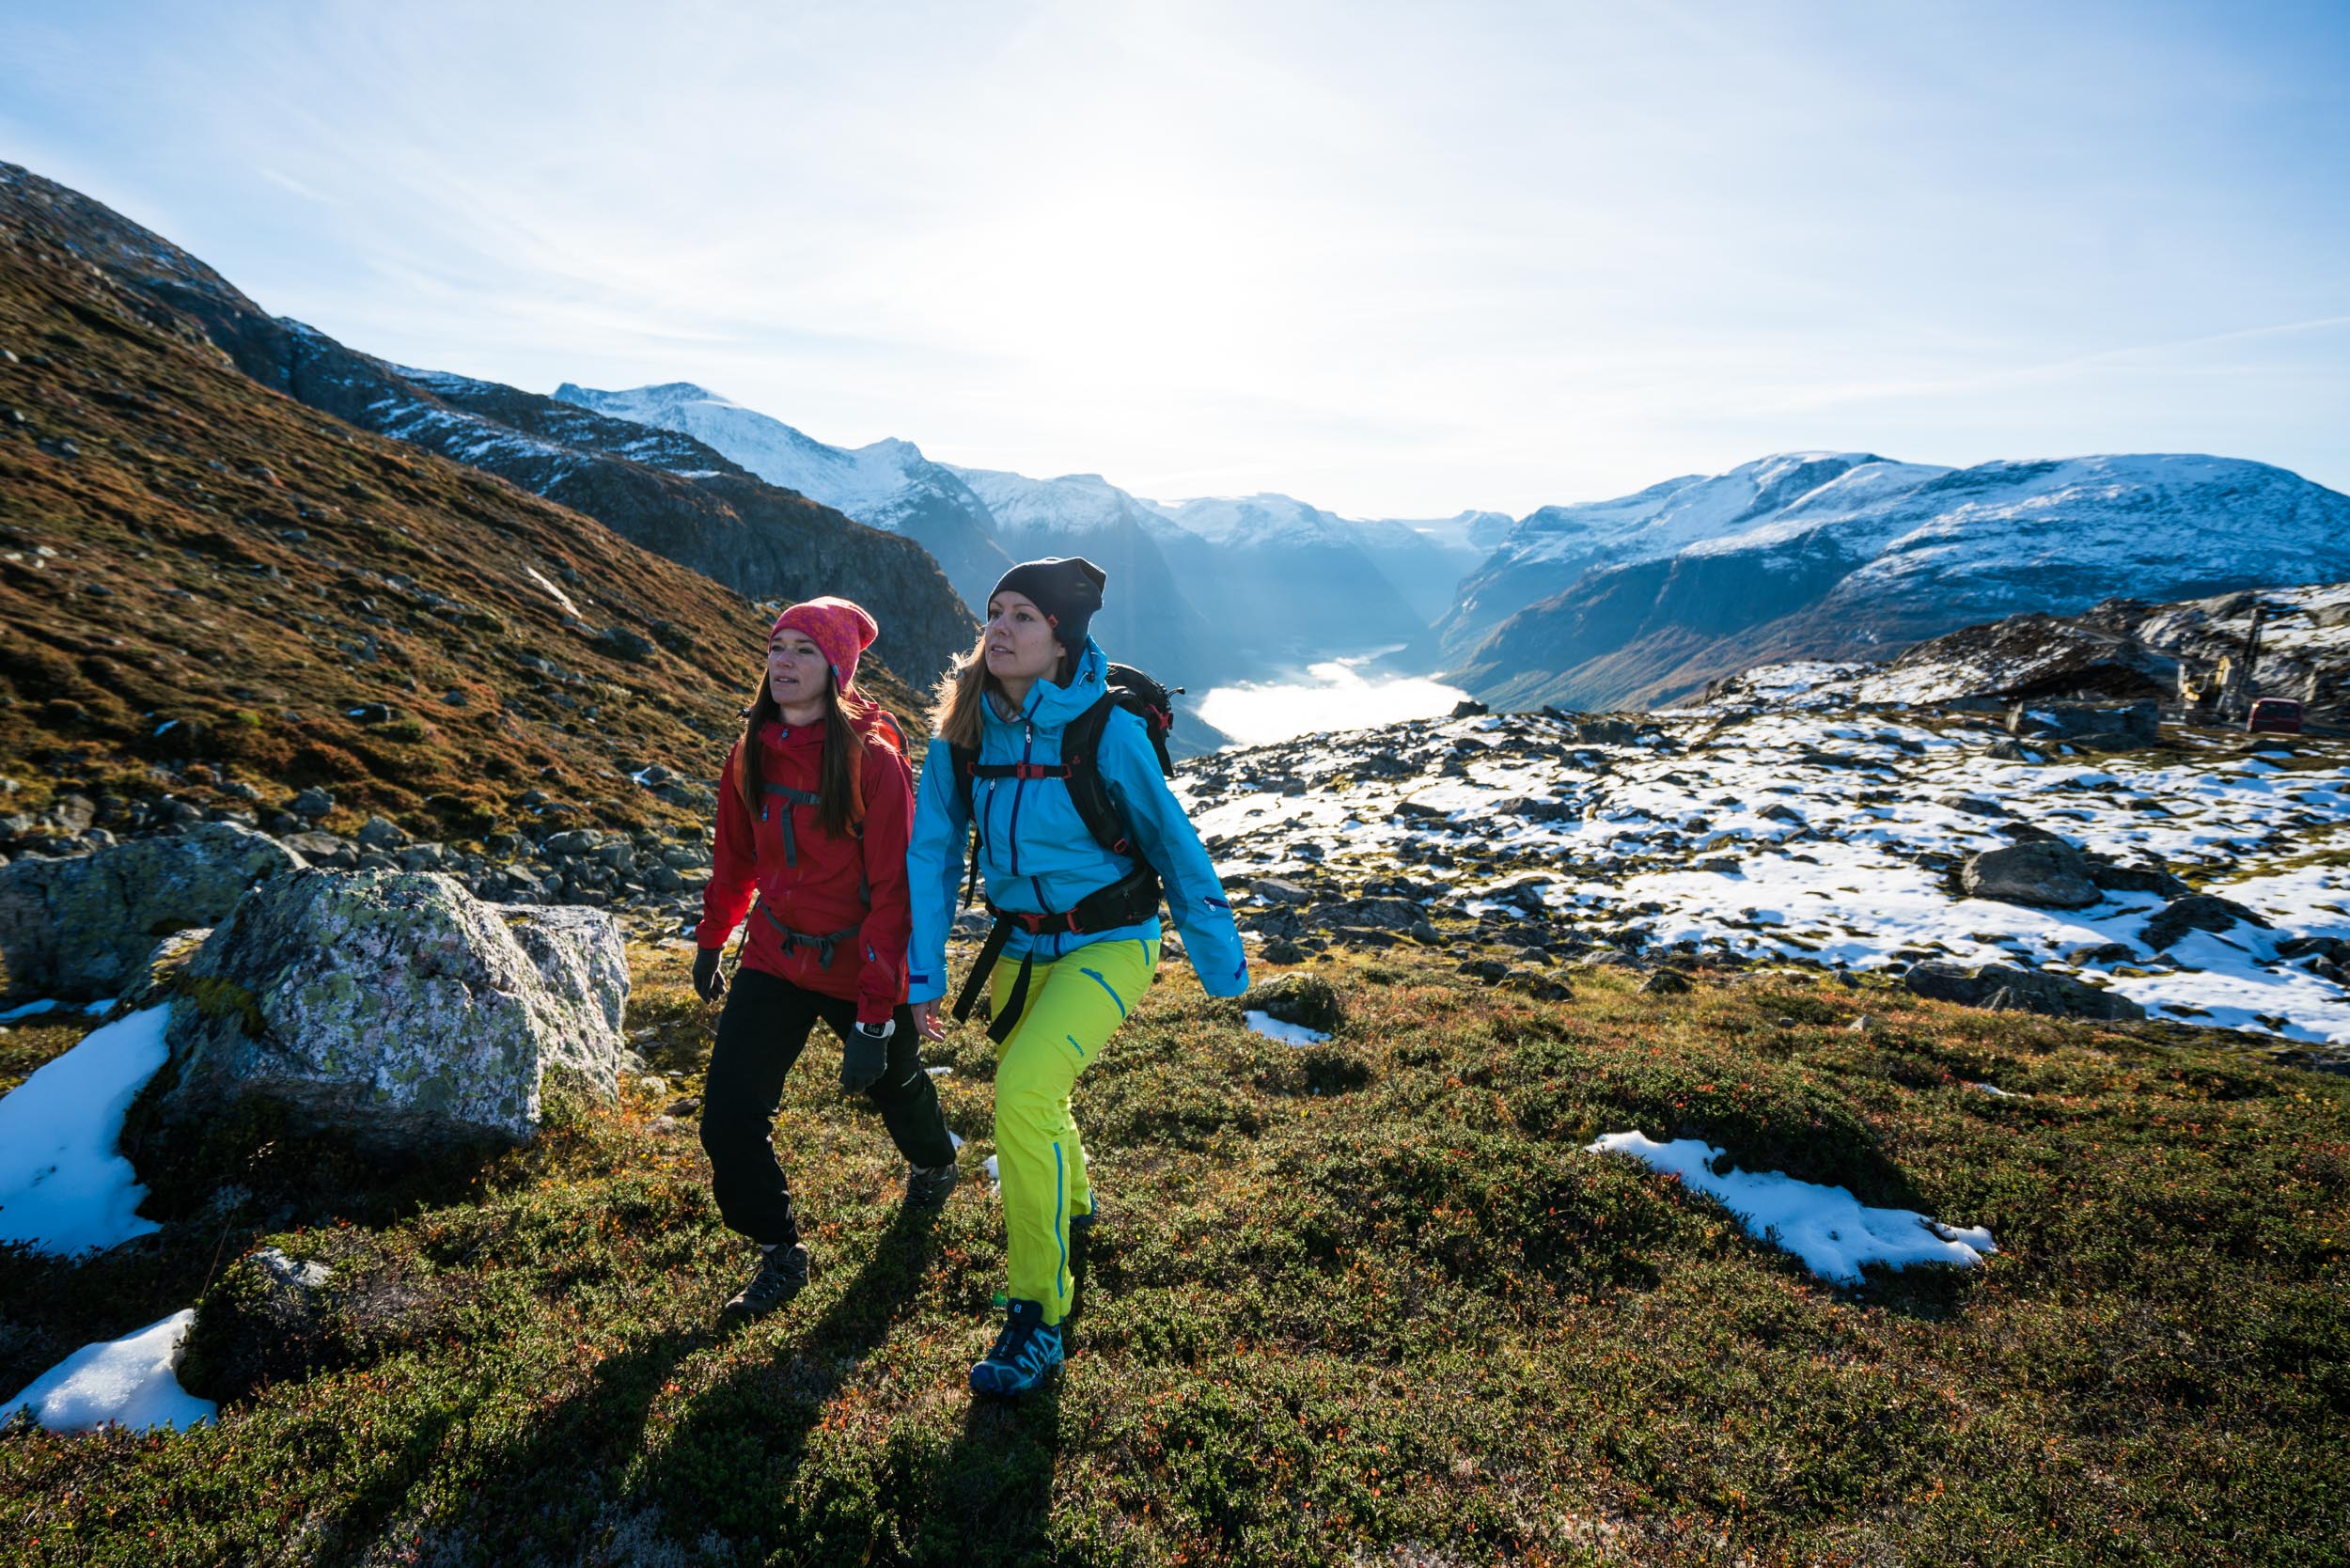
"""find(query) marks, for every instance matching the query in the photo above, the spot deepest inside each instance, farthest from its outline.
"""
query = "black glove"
(864, 1055)
(707, 983)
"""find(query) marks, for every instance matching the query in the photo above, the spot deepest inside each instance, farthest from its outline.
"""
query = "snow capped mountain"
(1553, 546)
(1814, 556)
(886, 485)
(1064, 508)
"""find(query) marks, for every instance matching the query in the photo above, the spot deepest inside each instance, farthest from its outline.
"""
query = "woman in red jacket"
(813, 817)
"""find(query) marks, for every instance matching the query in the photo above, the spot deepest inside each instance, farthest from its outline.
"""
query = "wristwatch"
(882, 1030)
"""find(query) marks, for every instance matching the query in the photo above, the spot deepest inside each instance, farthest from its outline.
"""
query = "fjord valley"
(1875, 1095)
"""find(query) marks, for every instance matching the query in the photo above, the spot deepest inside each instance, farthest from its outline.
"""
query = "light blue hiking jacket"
(1035, 852)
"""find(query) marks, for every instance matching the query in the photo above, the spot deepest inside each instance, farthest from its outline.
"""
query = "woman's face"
(1020, 643)
(797, 674)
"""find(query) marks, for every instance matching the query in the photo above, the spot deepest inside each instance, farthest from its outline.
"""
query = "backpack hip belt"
(823, 945)
(1131, 900)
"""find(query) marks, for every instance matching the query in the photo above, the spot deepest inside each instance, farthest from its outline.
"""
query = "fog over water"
(1334, 695)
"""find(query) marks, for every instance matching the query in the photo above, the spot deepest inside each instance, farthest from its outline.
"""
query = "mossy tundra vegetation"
(1370, 1300)
(1367, 1301)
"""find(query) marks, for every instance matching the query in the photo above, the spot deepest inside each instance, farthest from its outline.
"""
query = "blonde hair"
(955, 707)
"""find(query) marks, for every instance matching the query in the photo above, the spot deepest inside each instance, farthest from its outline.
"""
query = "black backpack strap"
(963, 762)
(1081, 757)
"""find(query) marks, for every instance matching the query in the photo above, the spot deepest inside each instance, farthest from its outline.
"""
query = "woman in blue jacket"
(1082, 918)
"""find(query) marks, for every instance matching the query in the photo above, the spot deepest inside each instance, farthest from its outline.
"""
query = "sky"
(1397, 260)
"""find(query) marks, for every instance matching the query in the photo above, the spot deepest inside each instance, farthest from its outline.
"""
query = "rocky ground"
(2204, 879)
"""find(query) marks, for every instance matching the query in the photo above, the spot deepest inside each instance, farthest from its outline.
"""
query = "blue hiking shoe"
(1023, 1354)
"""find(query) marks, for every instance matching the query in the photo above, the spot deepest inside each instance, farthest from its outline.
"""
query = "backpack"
(1134, 897)
(1148, 699)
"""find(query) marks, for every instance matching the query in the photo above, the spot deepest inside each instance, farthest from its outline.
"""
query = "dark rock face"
(2040, 875)
(1982, 986)
(2121, 727)
(2196, 912)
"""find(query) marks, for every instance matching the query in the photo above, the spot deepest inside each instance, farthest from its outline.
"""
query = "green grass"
(1365, 1302)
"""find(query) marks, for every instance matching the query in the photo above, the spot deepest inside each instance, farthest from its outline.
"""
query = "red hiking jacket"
(808, 881)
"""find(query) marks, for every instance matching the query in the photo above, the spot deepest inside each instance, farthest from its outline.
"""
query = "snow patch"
(1282, 1030)
(132, 1382)
(65, 1187)
(555, 593)
(1832, 1231)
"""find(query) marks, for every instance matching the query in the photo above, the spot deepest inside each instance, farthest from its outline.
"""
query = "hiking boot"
(782, 1275)
(1082, 1225)
(927, 1186)
(1023, 1354)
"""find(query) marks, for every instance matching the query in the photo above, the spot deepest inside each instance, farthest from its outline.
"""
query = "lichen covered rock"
(82, 928)
(397, 1005)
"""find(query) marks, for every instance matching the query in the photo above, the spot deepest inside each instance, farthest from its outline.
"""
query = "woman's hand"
(707, 983)
(926, 1019)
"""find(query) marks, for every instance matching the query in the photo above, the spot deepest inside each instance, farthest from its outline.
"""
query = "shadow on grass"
(730, 1465)
(990, 1496)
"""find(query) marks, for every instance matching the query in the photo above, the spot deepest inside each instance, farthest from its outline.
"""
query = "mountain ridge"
(1869, 555)
(693, 506)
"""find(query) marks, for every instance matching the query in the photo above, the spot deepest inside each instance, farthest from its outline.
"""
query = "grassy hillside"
(1368, 1301)
(193, 570)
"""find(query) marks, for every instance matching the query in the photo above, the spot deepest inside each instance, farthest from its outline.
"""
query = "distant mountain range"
(1641, 599)
(1852, 555)
(1202, 591)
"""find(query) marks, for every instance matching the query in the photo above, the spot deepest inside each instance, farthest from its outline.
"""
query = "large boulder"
(2011, 986)
(82, 928)
(2044, 875)
(398, 1006)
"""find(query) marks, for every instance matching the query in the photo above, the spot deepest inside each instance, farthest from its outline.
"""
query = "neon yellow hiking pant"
(1074, 1005)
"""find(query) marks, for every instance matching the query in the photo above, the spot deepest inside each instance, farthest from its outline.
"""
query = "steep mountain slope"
(217, 594)
(1148, 616)
(1293, 580)
(1880, 554)
(694, 507)
(888, 484)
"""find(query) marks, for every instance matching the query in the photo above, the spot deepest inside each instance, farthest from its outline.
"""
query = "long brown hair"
(841, 771)
(955, 707)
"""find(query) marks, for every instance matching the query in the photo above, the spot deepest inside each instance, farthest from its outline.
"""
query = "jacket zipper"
(1027, 753)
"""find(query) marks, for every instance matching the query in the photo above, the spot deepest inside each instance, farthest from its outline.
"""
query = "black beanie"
(1066, 588)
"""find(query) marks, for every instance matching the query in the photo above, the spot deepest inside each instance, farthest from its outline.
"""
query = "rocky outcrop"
(2003, 986)
(81, 928)
(2044, 875)
(2108, 726)
(397, 1006)
(2048, 873)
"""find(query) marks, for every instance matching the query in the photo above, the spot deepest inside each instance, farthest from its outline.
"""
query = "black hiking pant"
(760, 1034)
